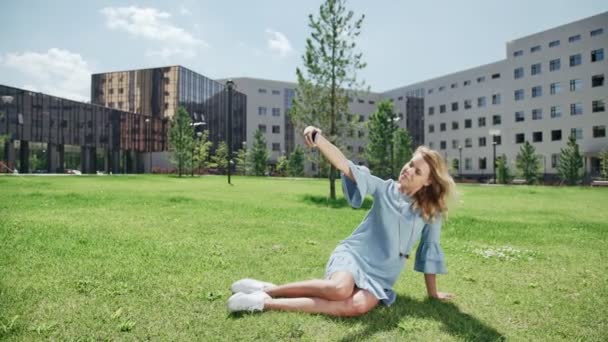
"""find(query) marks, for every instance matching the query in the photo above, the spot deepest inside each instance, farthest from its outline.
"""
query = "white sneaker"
(247, 301)
(248, 285)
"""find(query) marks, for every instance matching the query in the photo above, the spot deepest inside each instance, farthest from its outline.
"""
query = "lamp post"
(393, 127)
(230, 86)
(6, 100)
(544, 167)
(494, 133)
(149, 147)
(460, 161)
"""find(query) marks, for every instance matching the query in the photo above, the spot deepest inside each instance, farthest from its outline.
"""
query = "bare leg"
(358, 304)
(340, 286)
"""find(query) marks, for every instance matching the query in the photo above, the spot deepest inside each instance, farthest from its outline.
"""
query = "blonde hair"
(432, 199)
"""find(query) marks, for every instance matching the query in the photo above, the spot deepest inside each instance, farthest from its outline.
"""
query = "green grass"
(152, 257)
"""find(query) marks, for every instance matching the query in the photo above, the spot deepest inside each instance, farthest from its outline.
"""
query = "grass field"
(152, 257)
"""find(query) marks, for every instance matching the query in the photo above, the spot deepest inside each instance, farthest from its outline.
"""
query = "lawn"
(152, 257)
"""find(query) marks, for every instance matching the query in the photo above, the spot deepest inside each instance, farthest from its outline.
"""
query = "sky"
(54, 46)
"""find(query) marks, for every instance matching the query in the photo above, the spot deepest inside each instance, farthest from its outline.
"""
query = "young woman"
(364, 267)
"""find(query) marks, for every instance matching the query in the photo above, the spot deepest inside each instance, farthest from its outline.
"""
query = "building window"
(454, 106)
(361, 134)
(597, 80)
(537, 114)
(481, 122)
(556, 112)
(519, 138)
(598, 106)
(554, 43)
(535, 49)
(555, 64)
(431, 110)
(262, 128)
(535, 69)
(371, 102)
(481, 101)
(482, 141)
(495, 76)
(596, 32)
(362, 117)
(496, 99)
(575, 38)
(468, 142)
(482, 163)
(262, 91)
(454, 85)
(468, 123)
(575, 60)
(537, 91)
(277, 147)
(518, 53)
(442, 145)
(441, 88)
(518, 73)
(576, 84)
(556, 135)
(496, 120)
(576, 108)
(467, 163)
(577, 133)
(441, 108)
(599, 131)
(555, 88)
(597, 55)
(276, 129)
(261, 110)
(121, 90)
(467, 104)
(481, 79)
(276, 111)
(554, 160)
(276, 92)
(454, 125)
(430, 92)
(442, 127)
(431, 145)
(111, 91)
(431, 128)
(519, 116)
(519, 94)
(537, 136)
(497, 139)
(467, 83)
(455, 144)
(361, 149)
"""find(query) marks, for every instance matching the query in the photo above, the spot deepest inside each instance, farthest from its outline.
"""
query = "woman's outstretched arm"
(313, 138)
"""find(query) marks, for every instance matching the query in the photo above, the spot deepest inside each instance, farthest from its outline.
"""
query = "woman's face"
(414, 175)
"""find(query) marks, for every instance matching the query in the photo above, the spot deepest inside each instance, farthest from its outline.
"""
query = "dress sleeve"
(365, 184)
(429, 255)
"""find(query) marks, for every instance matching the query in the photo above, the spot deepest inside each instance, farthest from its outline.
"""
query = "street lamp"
(230, 86)
(544, 167)
(460, 161)
(149, 147)
(6, 100)
(394, 126)
(493, 133)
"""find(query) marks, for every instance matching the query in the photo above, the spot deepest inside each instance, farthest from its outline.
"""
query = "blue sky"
(54, 46)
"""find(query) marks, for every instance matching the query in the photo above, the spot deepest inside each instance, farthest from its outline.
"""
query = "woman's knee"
(339, 289)
(359, 304)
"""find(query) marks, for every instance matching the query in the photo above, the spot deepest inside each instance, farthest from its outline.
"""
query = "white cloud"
(278, 43)
(184, 11)
(56, 72)
(153, 25)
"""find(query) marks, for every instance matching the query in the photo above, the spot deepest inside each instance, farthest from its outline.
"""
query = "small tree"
(455, 166)
(379, 151)
(402, 142)
(528, 163)
(502, 169)
(570, 162)
(281, 168)
(220, 159)
(242, 162)
(295, 167)
(181, 139)
(604, 165)
(201, 151)
(259, 154)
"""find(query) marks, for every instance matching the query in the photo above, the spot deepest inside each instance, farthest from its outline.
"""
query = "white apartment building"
(550, 85)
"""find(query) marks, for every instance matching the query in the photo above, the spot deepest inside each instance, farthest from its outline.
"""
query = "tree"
(402, 149)
(379, 151)
(528, 163)
(259, 154)
(503, 175)
(295, 166)
(220, 159)
(181, 139)
(604, 165)
(201, 150)
(456, 166)
(242, 162)
(570, 162)
(331, 64)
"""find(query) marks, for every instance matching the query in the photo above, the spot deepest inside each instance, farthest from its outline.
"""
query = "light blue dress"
(376, 251)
